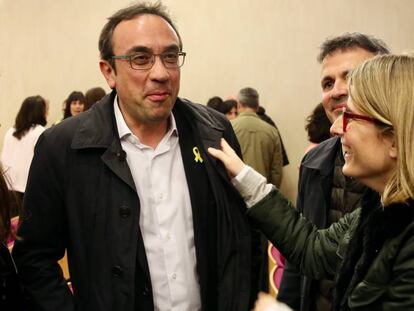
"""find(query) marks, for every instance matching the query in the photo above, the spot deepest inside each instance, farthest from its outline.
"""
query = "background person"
(262, 150)
(19, 143)
(214, 102)
(318, 127)
(92, 96)
(324, 193)
(261, 112)
(75, 104)
(11, 297)
(229, 109)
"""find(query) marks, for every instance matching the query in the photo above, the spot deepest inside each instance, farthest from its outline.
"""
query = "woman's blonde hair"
(383, 87)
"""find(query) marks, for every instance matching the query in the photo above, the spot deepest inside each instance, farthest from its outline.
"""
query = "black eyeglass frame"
(152, 62)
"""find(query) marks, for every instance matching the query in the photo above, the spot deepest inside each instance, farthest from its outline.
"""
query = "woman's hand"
(266, 302)
(229, 158)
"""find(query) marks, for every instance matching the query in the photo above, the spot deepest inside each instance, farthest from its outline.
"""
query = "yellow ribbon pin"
(197, 157)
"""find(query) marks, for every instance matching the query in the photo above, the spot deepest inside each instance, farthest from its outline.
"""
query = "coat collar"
(98, 127)
(322, 157)
(248, 114)
(205, 121)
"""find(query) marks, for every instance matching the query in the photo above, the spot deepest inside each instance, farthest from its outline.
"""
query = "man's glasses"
(346, 116)
(145, 60)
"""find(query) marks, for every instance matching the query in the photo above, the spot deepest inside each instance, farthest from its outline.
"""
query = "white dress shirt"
(166, 220)
(17, 156)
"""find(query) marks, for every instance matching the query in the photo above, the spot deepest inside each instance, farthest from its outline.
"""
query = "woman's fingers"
(229, 158)
(217, 153)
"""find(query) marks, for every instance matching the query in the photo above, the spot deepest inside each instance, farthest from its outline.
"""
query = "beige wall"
(49, 47)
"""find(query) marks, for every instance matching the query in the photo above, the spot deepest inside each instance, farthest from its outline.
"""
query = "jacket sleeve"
(276, 169)
(42, 233)
(291, 284)
(315, 252)
(400, 289)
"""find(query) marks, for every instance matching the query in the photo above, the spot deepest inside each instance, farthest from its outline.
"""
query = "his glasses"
(346, 116)
(145, 60)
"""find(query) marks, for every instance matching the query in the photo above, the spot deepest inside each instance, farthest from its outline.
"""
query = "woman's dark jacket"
(369, 252)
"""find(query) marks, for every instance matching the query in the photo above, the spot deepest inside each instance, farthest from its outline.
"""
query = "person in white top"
(20, 140)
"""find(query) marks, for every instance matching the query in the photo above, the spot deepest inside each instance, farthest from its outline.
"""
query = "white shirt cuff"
(251, 185)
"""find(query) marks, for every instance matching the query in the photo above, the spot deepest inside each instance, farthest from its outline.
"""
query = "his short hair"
(353, 40)
(128, 13)
(248, 97)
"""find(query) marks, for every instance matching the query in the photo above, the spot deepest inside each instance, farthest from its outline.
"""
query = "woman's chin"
(347, 171)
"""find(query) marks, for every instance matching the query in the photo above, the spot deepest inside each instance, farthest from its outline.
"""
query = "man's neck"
(150, 134)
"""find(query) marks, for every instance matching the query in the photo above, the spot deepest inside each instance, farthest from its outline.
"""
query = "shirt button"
(168, 236)
(174, 276)
(145, 291)
(124, 211)
(117, 271)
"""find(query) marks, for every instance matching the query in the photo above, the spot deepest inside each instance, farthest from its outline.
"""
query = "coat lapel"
(115, 158)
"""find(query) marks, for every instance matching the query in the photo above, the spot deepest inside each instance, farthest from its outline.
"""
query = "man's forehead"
(142, 30)
(346, 57)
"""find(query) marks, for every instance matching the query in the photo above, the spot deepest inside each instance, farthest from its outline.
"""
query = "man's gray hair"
(248, 97)
(352, 40)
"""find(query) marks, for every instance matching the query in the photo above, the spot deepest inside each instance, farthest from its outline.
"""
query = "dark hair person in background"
(227, 107)
(10, 291)
(92, 96)
(317, 126)
(75, 104)
(214, 102)
(261, 112)
(19, 143)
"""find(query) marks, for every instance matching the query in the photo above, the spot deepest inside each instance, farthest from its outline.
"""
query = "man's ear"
(108, 72)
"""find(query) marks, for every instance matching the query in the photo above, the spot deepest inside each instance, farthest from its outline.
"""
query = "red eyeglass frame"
(346, 116)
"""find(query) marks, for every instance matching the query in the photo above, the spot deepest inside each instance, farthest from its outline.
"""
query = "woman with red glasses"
(370, 252)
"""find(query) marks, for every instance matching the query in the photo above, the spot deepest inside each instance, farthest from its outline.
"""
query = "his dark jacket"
(315, 176)
(81, 196)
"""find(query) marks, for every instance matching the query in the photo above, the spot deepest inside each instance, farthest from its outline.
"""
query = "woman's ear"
(392, 148)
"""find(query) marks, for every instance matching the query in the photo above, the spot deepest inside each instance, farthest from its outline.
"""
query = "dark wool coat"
(81, 196)
(11, 296)
(370, 252)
